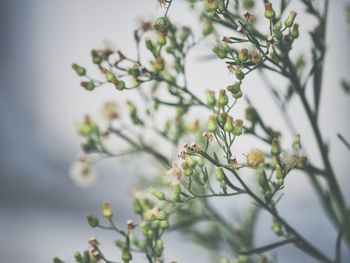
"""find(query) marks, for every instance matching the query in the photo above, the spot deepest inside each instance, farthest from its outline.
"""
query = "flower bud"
(277, 26)
(88, 85)
(157, 194)
(106, 210)
(219, 174)
(187, 169)
(276, 227)
(238, 128)
(161, 39)
(295, 31)
(301, 162)
(149, 44)
(93, 221)
(279, 172)
(78, 257)
(110, 77)
(126, 255)
(162, 215)
(290, 19)
(275, 147)
(256, 58)
(158, 64)
(228, 127)
(248, 4)
(96, 58)
(243, 55)
(220, 52)
(79, 70)
(164, 224)
(262, 179)
(296, 145)
(200, 161)
(119, 85)
(137, 206)
(208, 27)
(269, 12)
(159, 246)
(239, 73)
(242, 259)
(251, 115)
(212, 125)
(57, 260)
(212, 5)
(223, 99)
(211, 101)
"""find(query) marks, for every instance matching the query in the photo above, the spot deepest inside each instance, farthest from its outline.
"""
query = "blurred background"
(42, 212)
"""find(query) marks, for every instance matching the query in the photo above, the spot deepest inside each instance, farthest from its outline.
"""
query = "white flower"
(173, 176)
(82, 172)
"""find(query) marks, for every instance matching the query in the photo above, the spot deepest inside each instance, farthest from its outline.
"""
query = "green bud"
(78, 257)
(290, 19)
(242, 259)
(162, 24)
(88, 85)
(276, 227)
(157, 194)
(228, 127)
(275, 147)
(295, 31)
(162, 215)
(199, 160)
(277, 26)
(120, 85)
(212, 5)
(219, 174)
(212, 125)
(269, 12)
(150, 234)
(296, 145)
(248, 4)
(57, 260)
(159, 246)
(262, 179)
(279, 172)
(220, 52)
(243, 55)
(79, 70)
(96, 58)
(93, 221)
(110, 77)
(238, 128)
(164, 224)
(251, 114)
(106, 210)
(149, 45)
(208, 27)
(161, 39)
(301, 163)
(126, 255)
(239, 73)
(154, 225)
(137, 207)
(211, 101)
(223, 99)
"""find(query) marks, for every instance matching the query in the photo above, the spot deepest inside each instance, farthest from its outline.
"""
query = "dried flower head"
(109, 111)
(82, 172)
(174, 175)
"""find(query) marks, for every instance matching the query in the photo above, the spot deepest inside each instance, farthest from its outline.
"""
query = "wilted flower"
(255, 157)
(109, 111)
(173, 176)
(82, 172)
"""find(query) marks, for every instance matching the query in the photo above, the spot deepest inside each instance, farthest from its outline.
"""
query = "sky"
(41, 210)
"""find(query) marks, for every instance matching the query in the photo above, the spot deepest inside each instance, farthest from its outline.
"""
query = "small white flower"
(174, 175)
(82, 172)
